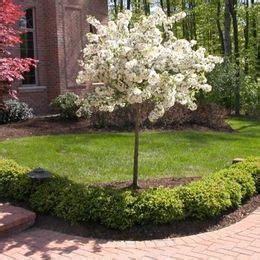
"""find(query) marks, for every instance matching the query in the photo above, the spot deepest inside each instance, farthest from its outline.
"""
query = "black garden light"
(39, 174)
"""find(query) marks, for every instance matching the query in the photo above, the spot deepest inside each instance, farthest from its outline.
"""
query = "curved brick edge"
(14, 219)
(238, 241)
(230, 231)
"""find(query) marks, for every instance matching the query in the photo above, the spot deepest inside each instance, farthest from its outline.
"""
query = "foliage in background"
(226, 27)
(223, 85)
(119, 209)
(68, 105)
(15, 111)
(250, 96)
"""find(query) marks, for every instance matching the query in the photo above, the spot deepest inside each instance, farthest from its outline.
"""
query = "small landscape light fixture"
(237, 160)
(39, 174)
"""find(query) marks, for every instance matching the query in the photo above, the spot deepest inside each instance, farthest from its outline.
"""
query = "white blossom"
(153, 78)
(143, 60)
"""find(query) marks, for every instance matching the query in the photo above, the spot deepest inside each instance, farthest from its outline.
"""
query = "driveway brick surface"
(238, 241)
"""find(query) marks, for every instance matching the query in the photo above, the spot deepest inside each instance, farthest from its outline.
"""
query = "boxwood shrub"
(251, 166)
(209, 197)
(14, 183)
(46, 196)
(161, 205)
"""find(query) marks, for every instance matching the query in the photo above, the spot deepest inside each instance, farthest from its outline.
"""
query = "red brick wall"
(71, 30)
(37, 99)
(60, 35)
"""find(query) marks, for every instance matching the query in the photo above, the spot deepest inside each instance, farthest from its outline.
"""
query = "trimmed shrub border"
(209, 197)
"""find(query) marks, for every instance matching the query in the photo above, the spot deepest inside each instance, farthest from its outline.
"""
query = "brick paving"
(238, 241)
(14, 219)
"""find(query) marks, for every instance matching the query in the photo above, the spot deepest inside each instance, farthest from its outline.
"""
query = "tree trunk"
(227, 32)
(128, 5)
(136, 148)
(2, 93)
(194, 26)
(121, 5)
(115, 7)
(168, 6)
(232, 6)
(246, 35)
(221, 38)
(161, 3)
(146, 7)
(1, 98)
(184, 21)
(256, 44)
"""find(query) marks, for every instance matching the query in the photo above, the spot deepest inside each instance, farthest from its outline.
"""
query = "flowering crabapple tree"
(11, 68)
(140, 61)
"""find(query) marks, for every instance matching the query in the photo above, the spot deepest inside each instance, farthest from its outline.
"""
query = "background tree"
(140, 62)
(224, 27)
(11, 69)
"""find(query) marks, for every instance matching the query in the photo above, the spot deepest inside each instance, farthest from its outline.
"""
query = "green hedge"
(14, 184)
(252, 165)
(208, 197)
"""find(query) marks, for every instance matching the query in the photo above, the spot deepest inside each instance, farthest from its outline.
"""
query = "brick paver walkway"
(14, 219)
(238, 241)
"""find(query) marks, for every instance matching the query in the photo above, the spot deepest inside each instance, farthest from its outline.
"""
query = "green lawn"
(95, 157)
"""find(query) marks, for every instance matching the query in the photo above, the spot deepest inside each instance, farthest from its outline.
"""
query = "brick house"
(55, 35)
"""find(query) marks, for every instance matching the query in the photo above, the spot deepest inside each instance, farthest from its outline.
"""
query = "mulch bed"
(150, 183)
(42, 126)
(53, 126)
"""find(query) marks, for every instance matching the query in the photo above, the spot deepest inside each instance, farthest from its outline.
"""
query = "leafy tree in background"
(224, 27)
(11, 68)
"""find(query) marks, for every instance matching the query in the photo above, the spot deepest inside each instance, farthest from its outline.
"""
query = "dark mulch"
(42, 126)
(53, 125)
(147, 232)
(150, 183)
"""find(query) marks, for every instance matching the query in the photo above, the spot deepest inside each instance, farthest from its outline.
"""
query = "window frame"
(33, 31)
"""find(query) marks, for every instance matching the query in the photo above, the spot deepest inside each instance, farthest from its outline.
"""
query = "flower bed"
(209, 197)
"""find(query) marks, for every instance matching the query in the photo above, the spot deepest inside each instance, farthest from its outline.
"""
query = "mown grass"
(103, 157)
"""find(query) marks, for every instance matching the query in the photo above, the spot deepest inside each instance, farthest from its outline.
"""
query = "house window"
(27, 47)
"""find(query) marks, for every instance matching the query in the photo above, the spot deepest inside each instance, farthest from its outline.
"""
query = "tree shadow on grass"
(202, 138)
(248, 126)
